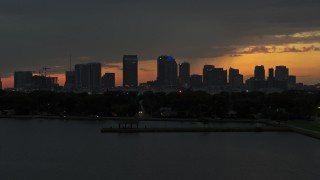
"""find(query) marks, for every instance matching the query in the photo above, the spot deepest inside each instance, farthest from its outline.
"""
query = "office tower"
(271, 80)
(207, 75)
(94, 72)
(184, 74)
(108, 81)
(196, 81)
(69, 85)
(81, 77)
(22, 80)
(167, 72)
(282, 73)
(259, 73)
(271, 74)
(44, 83)
(0, 84)
(232, 74)
(130, 70)
(214, 77)
(235, 79)
(87, 76)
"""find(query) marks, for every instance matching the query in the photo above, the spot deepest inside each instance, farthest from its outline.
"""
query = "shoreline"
(274, 126)
(135, 119)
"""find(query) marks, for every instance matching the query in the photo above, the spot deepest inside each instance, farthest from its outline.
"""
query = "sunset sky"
(229, 33)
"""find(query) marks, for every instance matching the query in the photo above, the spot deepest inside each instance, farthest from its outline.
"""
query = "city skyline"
(147, 71)
(170, 75)
(232, 33)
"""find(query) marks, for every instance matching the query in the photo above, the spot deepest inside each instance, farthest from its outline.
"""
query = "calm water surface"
(54, 149)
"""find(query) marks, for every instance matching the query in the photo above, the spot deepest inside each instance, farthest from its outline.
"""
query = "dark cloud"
(303, 49)
(36, 33)
(112, 66)
(256, 49)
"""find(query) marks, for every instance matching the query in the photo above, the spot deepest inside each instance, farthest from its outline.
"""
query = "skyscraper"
(271, 74)
(271, 80)
(94, 70)
(81, 77)
(259, 73)
(207, 75)
(22, 80)
(232, 74)
(167, 72)
(184, 74)
(88, 76)
(282, 73)
(108, 81)
(214, 77)
(130, 70)
(235, 78)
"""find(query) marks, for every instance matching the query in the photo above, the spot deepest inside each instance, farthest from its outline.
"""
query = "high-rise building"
(207, 75)
(87, 76)
(235, 78)
(44, 83)
(184, 74)
(94, 72)
(130, 71)
(259, 73)
(81, 77)
(69, 84)
(271, 74)
(214, 77)
(271, 80)
(167, 72)
(232, 74)
(196, 81)
(22, 80)
(282, 73)
(108, 81)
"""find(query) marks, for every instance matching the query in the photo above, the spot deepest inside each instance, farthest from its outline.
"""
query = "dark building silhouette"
(81, 77)
(259, 73)
(235, 78)
(184, 74)
(282, 73)
(292, 81)
(271, 74)
(214, 77)
(0, 84)
(45, 83)
(108, 81)
(130, 70)
(207, 69)
(94, 76)
(87, 76)
(167, 73)
(69, 84)
(196, 81)
(22, 80)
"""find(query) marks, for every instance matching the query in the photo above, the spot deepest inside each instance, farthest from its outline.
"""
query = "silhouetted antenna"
(45, 69)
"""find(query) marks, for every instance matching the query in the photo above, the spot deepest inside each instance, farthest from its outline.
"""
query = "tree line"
(187, 104)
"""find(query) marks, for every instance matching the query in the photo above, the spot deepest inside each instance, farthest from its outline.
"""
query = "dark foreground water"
(53, 149)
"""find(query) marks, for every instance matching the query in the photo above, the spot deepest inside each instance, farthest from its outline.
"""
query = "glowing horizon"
(306, 72)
